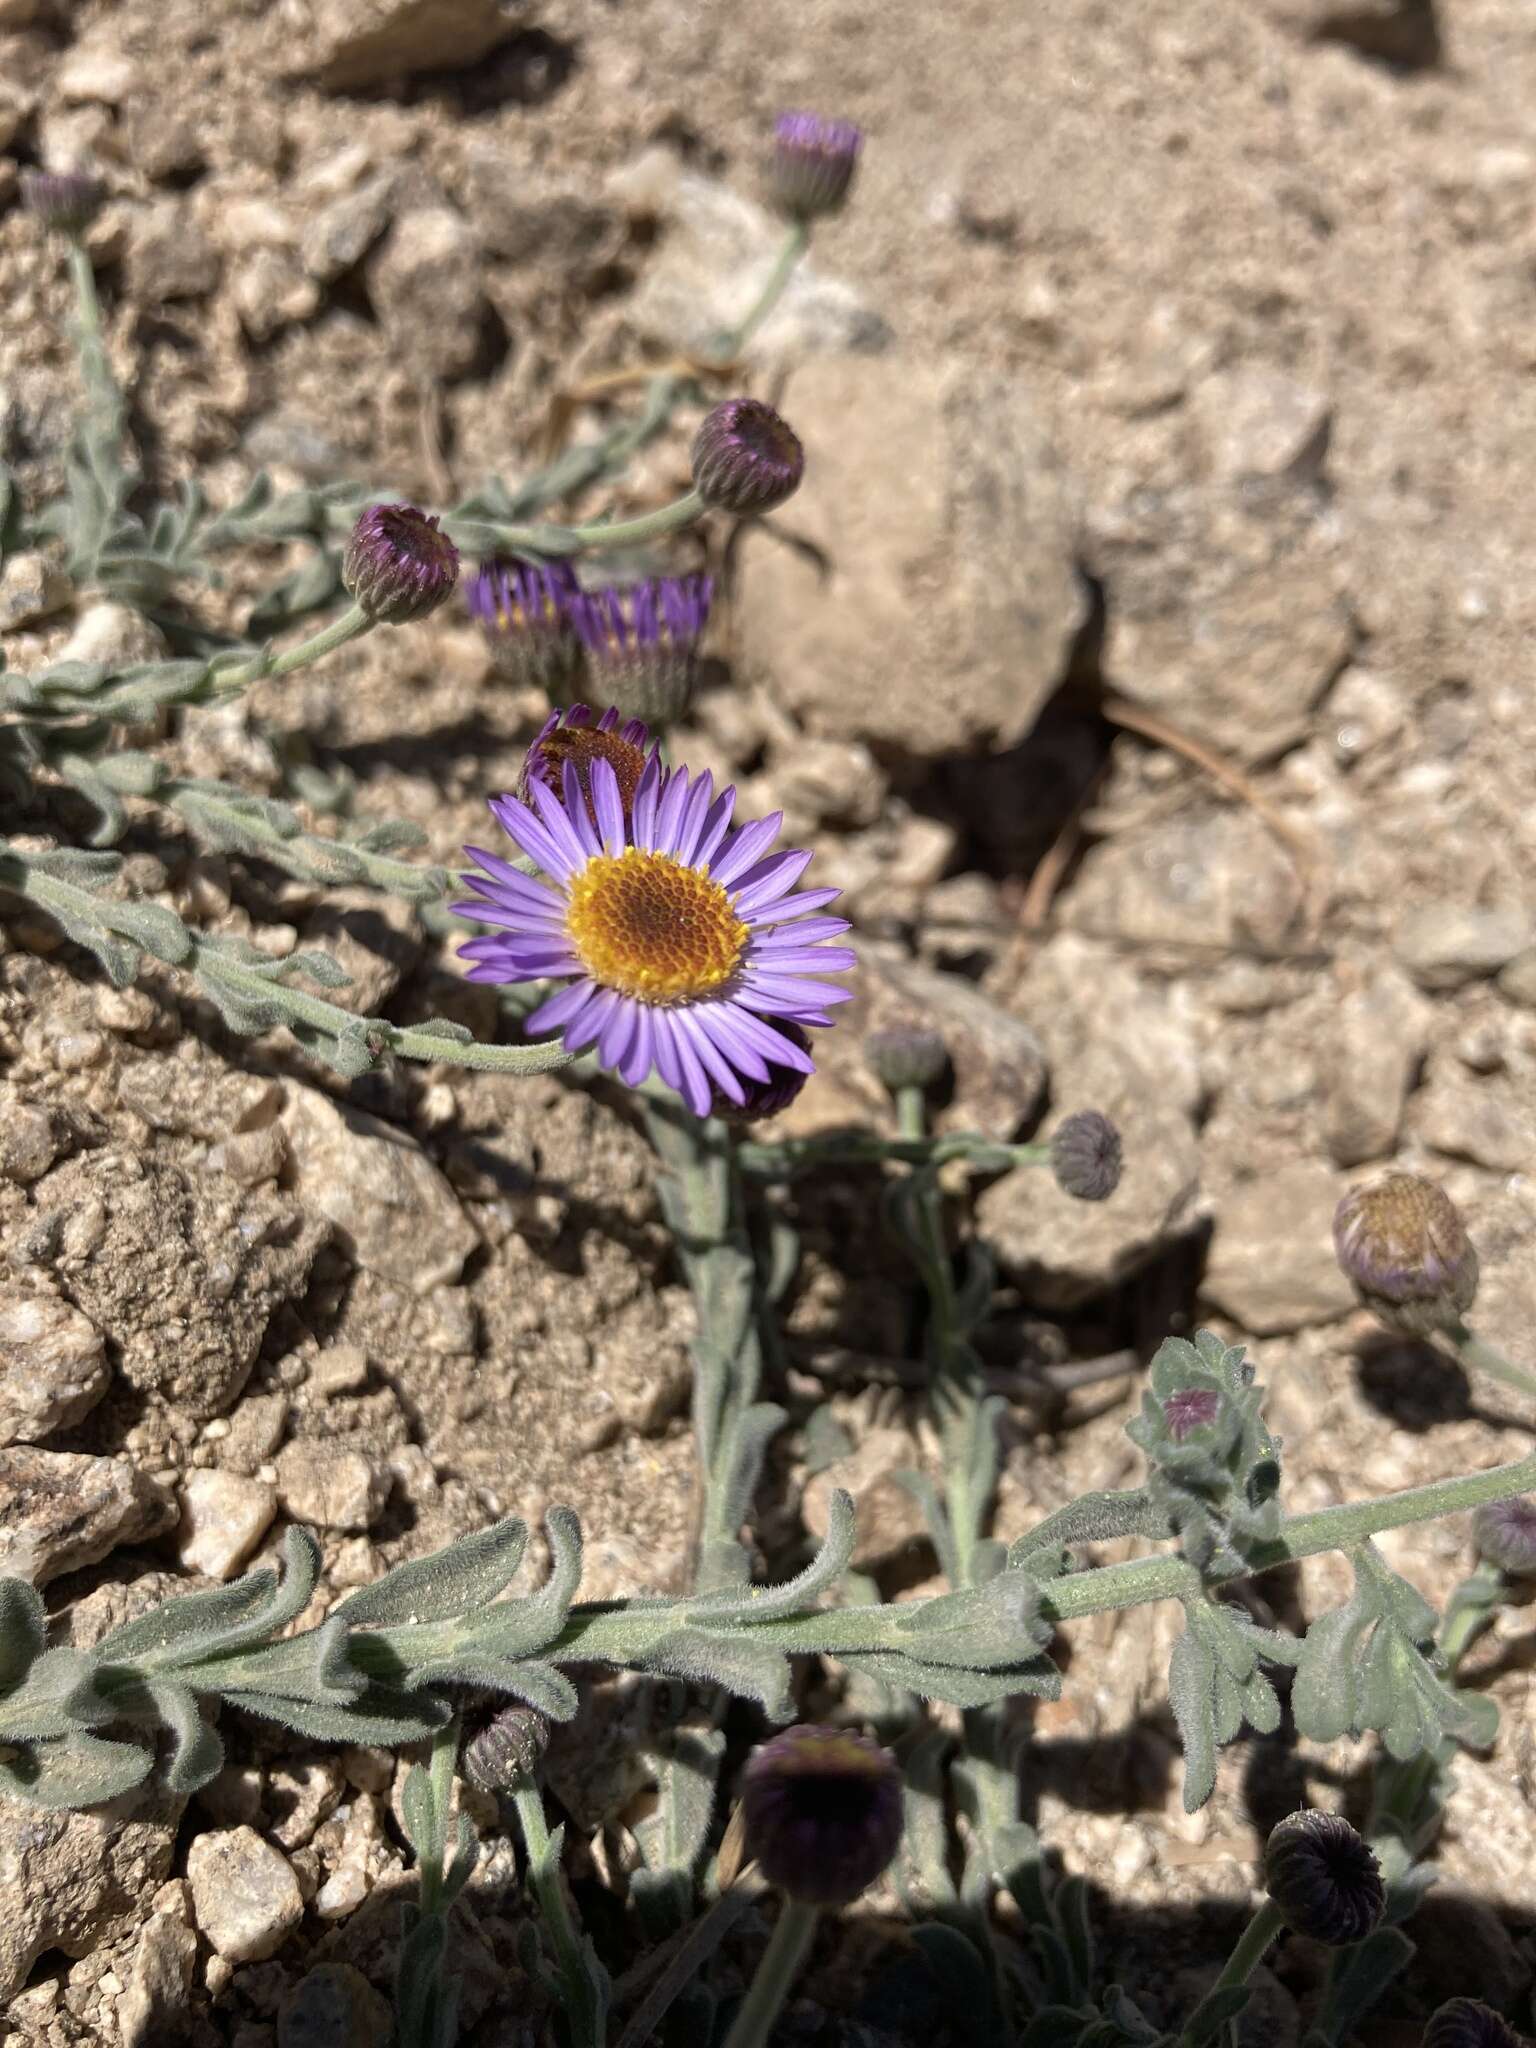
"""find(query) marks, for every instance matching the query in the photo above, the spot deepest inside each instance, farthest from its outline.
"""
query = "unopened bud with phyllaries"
(399, 564)
(1402, 1245)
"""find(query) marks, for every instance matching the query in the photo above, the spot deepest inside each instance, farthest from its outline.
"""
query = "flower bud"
(1190, 1408)
(524, 612)
(1086, 1156)
(767, 1098)
(906, 1056)
(1505, 1534)
(399, 564)
(814, 160)
(745, 458)
(1403, 1247)
(509, 1748)
(1468, 2023)
(1324, 1878)
(822, 1813)
(66, 201)
(642, 643)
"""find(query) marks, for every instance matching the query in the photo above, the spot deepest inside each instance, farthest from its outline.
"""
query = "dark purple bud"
(822, 1813)
(813, 164)
(745, 458)
(1468, 2023)
(525, 612)
(767, 1098)
(642, 643)
(1505, 1534)
(577, 737)
(1086, 1156)
(1324, 1878)
(1403, 1247)
(66, 201)
(1189, 1408)
(399, 564)
(906, 1056)
(509, 1748)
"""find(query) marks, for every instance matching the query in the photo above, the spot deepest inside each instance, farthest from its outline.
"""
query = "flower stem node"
(822, 1809)
(1086, 1156)
(399, 564)
(1468, 2023)
(814, 160)
(65, 201)
(1403, 1247)
(746, 459)
(1323, 1878)
(906, 1056)
(1505, 1534)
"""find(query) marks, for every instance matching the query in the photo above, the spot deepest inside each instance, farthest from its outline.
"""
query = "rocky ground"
(1171, 370)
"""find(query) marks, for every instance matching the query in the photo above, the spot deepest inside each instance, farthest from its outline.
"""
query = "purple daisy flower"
(642, 642)
(814, 160)
(523, 608)
(682, 940)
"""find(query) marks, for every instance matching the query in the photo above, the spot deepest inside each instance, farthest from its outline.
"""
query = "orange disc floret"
(650, 927)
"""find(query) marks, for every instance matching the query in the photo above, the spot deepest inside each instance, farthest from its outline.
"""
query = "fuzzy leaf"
(966, 1984)
(78, 1769)
(386, 1719)
(1359, 1977)
(196, 1628)
(23, 1630)
(1191, 1676)
(796, 1595)
(460, 1580)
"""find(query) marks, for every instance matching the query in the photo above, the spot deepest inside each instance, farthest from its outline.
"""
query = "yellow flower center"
(650, 927)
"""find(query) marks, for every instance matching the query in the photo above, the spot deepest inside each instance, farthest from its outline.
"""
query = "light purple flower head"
(683, 942)
(814, 160)
(523, 609)
(642, 643)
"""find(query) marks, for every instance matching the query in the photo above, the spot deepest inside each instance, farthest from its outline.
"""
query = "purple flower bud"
(642, 643)
(66, 201)
(813, 164)
(1189, 1408)
(906, 1056)
(577, 737)
(1403, 1247)
(1324, 1878)
(767, 1097)
(399, 564)
(525, 612)
(508, 1748)
(1468, 2023)
(1086, 1156)
(746, 459)
(822, 1812)
(1505, 1534)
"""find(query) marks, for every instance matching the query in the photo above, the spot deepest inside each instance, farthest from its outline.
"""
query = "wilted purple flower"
(678, 936)
(1505, 1533)
(66, 201)
(524, 610)
(814, 160)
(577, 737)
(1086, 1156)
(767, 1098)
(1468, 2023)
(508, 1748)
(399, 564)
(1188, 1408)
(746, 458)
(906, 1055)
(1324, 1878)
(642, 643)
(822, 1813)
(1403, 1247)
